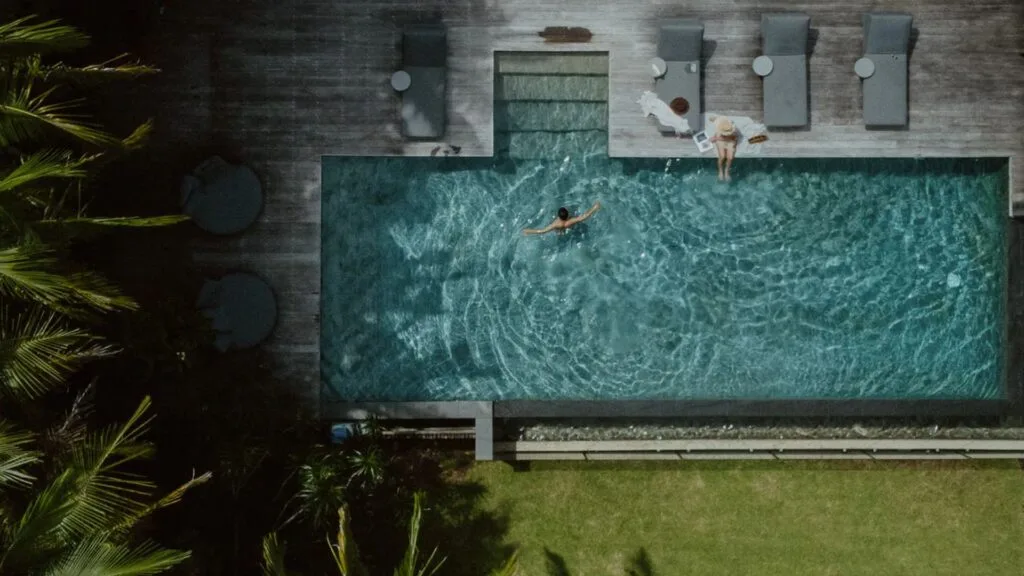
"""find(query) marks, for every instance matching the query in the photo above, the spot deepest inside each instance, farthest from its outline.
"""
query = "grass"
(870, 518)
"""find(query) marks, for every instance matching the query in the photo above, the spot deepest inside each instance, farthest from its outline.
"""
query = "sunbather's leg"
(720, 151)
(730, 153)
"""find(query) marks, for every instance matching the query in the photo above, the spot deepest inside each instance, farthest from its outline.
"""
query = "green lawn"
(762, 518)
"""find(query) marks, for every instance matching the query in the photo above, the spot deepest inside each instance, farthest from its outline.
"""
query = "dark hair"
(563, 213)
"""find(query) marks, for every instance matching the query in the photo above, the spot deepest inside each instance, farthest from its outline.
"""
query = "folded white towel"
(651, 105)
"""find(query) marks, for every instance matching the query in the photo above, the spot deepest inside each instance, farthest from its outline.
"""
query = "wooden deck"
(279, 83)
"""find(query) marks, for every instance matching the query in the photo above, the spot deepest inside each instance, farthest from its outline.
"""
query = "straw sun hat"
(724, 126)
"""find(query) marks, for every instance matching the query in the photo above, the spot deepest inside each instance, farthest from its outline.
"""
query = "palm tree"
(48, 147)
(70, 509)
(346, 556)
(77, 519)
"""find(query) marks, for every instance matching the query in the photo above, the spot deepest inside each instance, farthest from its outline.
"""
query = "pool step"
(550, 105)
(546, 63)
(550, 116)
(548, 87)
(551, 145)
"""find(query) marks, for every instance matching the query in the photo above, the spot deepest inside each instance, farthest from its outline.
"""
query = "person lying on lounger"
(563, 222)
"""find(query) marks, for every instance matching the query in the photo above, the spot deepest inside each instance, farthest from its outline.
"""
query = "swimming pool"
(829, 279)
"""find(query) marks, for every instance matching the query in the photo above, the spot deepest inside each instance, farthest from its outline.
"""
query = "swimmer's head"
(563, 213)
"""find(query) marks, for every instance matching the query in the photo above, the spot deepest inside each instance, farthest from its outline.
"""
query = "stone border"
(785, 449)
(762, 409)
(406, 410)
(778, 445)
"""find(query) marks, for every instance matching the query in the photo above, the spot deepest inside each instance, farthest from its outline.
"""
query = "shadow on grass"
(555, 564)
(470, 536)
(639, 564)
(473, 539)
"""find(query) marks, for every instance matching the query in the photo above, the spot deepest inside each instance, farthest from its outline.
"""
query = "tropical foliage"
(71, 495)
(48, 148)
(346, 555)
(72, 513)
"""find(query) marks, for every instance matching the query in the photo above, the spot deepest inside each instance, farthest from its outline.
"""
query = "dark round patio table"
(241, 308)
(222, 198)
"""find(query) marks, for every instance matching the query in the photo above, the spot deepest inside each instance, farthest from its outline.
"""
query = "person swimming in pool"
(563, 222)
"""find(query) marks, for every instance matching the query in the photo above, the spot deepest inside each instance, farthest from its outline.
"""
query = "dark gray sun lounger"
(425, 58)
(784, 42)
(680, 45)
(886, 41)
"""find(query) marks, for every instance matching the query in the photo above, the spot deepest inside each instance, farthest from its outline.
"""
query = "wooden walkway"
(279, 83)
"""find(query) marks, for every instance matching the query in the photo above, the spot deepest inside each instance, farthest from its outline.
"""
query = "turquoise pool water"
(800, 279)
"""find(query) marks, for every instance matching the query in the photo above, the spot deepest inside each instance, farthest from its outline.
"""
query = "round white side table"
(864, 67)
(658, 67)
(401, 81)
(763, 66)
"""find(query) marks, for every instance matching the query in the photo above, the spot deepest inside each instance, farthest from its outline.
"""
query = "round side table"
(222, 198)
(658, 67)
(242, 310)
(763, 66)
(864, 67)
(401, 81)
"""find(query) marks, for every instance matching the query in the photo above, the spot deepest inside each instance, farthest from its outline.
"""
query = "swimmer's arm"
(545, 230)
(587, 214)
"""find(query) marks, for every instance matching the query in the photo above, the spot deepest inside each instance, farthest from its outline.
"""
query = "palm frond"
(170, 499)
(105, 495)
(29, 273)
(138, 137)
(25, 117)
(273, 556)
(25, 272)
(23, 37)
(96, 557)
(344, 551)
(97, 293)
(45, 164)
(38, 351)
(15, 457)
(121, 222)
(34, 536)
(31, 122)
(410, 565)
(119, 67)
